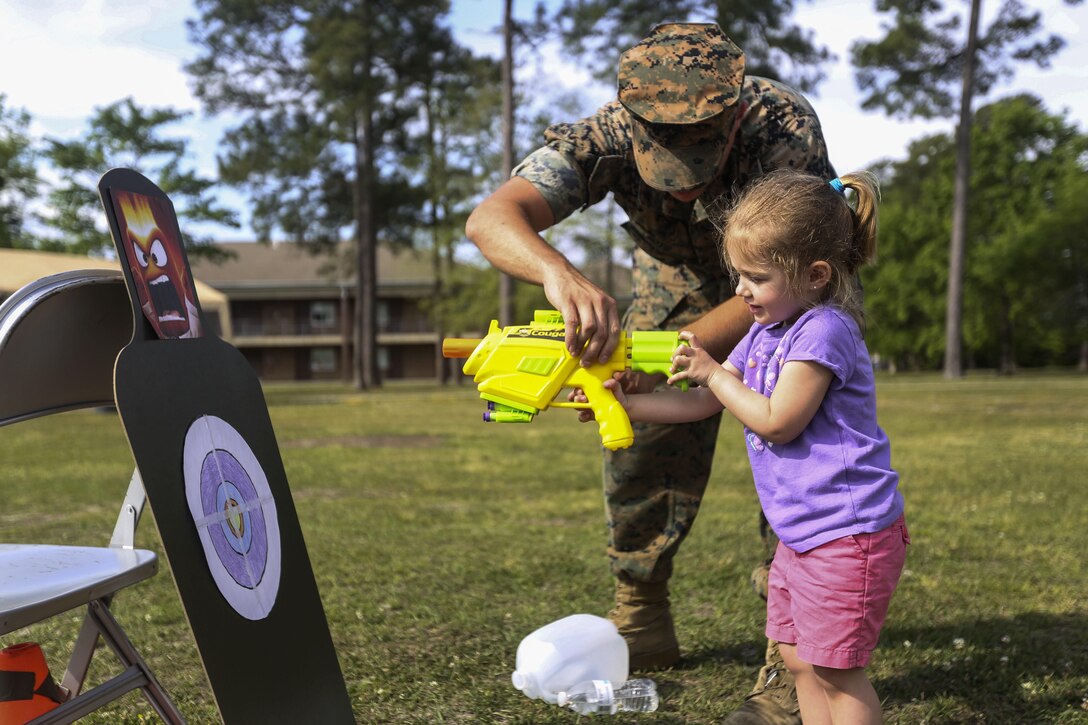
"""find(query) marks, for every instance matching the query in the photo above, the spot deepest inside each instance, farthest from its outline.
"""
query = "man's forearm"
(506, 228)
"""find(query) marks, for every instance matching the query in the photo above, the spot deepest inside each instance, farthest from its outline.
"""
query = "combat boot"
(643, 618)
(773, 701)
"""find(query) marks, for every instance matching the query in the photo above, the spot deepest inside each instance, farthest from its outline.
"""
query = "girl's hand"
(617, 385)
(577, 395)
(693, 363)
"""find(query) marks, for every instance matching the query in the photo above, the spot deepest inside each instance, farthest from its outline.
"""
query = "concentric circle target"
(235, 515)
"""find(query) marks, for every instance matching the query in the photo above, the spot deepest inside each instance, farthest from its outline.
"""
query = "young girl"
(801, 382)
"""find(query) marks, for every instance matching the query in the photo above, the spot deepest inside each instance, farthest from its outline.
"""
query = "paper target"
(235, 515)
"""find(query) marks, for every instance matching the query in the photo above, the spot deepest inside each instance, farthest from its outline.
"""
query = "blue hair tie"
(837, 185)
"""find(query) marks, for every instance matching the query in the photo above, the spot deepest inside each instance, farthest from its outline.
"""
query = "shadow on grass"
(746, 653)
(1029, 668)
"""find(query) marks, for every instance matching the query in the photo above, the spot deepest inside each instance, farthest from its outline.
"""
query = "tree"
(324, 87)
(18, 176)
(599, 30)
(1063, 227)
(517, 35)
(1026, 298)
(1029, 163)
(460, 92)
(913, 71)
(903, 291)
(506, 282)
(123, 134)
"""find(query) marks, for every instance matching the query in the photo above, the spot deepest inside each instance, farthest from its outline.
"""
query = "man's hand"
(693, 363)
(591, 318)
(506, 227)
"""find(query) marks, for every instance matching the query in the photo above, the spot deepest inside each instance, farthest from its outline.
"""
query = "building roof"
(285, 269)
(19, 267)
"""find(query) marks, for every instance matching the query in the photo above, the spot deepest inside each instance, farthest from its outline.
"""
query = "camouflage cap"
(681, 85)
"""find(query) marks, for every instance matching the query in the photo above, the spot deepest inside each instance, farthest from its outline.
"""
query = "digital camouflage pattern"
(653, 489)
(681, 73)
(681, 84)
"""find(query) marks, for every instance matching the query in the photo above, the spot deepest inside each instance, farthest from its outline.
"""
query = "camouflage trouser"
(653, 489)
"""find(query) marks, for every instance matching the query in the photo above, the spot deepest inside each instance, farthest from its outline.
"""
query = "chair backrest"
(59, 340)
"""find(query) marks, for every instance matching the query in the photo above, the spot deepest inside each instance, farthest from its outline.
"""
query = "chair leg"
(122, 646)
(99, 621)
(86, 703)
(80, 661)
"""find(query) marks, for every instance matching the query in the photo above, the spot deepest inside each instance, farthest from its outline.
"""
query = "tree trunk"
(1007, 364)
(953, 350)
(366, 278)
(506, 282)
(366, 319)
(434, 161)
(453, 365)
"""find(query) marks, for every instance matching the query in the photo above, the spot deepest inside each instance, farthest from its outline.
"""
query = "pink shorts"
(831, 601)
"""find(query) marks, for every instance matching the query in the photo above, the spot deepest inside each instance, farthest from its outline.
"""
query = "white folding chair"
(59, 339)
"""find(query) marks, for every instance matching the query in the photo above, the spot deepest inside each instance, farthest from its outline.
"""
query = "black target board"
(197, 422)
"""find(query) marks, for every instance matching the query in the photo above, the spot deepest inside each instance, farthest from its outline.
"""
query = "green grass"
(439, 542)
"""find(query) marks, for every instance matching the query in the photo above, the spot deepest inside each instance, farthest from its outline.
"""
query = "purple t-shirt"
(835, 478)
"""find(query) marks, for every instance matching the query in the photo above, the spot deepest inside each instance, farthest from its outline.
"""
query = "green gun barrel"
(650, 352)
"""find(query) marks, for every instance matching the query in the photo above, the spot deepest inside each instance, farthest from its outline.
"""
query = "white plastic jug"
(574, 649)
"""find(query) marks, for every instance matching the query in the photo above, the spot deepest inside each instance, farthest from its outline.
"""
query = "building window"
(323, 315)
(323, 360)
(383, 315)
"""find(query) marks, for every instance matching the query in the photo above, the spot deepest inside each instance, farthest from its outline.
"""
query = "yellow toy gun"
(521, 369)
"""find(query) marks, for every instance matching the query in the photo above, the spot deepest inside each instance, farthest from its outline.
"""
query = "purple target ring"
(241, 536)
(234, 515)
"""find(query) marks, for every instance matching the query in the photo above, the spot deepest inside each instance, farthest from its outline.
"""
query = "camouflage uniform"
(653, 489)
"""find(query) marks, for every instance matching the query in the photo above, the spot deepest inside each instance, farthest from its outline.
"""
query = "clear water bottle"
(600, 697)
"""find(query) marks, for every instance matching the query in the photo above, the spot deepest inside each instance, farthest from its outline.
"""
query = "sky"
(61, 59)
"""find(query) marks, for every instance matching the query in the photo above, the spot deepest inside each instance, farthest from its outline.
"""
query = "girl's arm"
(780, 418)
(666, 406)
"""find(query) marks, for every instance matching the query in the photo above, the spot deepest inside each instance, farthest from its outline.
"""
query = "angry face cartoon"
(153, 248)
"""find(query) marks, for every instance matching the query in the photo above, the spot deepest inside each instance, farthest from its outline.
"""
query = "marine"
(687, 131)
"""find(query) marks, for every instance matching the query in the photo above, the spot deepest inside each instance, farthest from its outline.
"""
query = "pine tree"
(914, 71)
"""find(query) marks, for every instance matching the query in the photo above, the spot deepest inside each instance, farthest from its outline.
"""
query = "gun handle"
(612, 420)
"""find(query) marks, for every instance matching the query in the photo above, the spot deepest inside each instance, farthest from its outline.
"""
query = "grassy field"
(439, 542)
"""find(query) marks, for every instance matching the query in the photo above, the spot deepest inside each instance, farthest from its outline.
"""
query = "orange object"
(458, 347)
(27, 689)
